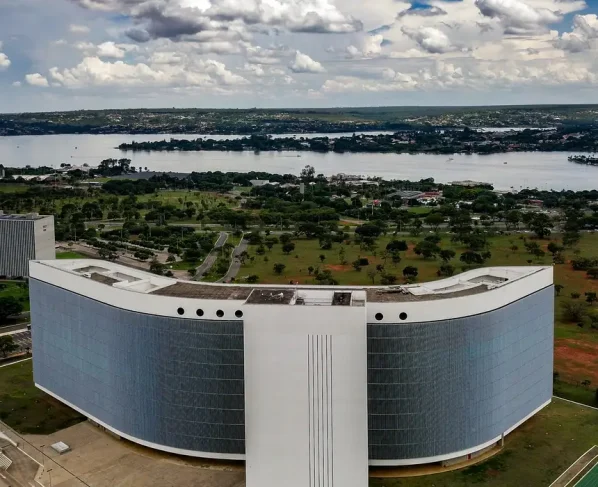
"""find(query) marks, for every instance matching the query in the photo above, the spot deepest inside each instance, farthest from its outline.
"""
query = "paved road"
(236, 263)
(207, 264)
(22, 339)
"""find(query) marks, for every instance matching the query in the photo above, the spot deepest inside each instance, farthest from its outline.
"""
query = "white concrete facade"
(305, 396)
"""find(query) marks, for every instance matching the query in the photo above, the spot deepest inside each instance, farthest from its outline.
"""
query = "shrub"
(574, 311)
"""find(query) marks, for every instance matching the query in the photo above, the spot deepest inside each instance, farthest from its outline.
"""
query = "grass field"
(12, 288)
(27, 409)
(13, 188)
(576, 349)
(70, 255)
(534, 455)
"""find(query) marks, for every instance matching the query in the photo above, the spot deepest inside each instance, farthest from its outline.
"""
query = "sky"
(95, 54)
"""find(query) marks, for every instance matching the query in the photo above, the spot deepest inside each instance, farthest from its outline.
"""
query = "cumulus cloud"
(451, 76)
(93, 72)
(78, 29)
(304, 64)
(427, 11)
(371, 46)
(518, 17)
(36, 79)
(430, 39)
(4, 61)
(110, 50)
(262, 55)
(174, 19)
(585, 31)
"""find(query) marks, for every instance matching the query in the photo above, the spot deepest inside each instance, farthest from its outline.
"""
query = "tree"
(590, 297)
(372, 275)
(278, 268)
(325, 278)
(445, 270)
(310, 269)
(512, 220)
(434, 220)
(7, 345)
(575, 295)
(574, 311)
(416, 227)
(261, 250)
(356, 265)
(571, 238)
(397, 246)
(288, 247)
(157, 267)
(471, 258)
(107, 254)
(395, 257)
(285, 238)
(558, 288)
(388, 279)
(426, 249)
(592, 273)
(541, 225)
(9, 306)
(586, 382)
(252, 279)
(410, 272)
(368, 230)
(447, 254)
(271, 241)
(554, 248)
(341, 256)
(322, 258)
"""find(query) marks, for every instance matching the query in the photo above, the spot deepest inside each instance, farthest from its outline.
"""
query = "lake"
(544, 170)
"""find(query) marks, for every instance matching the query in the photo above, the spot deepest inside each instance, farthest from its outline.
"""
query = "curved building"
(307, 385)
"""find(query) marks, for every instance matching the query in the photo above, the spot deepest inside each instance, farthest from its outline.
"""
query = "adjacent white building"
(24, 238)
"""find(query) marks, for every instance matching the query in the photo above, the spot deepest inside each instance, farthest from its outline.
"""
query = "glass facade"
(170, 381)
(441, 387)
(434, 388)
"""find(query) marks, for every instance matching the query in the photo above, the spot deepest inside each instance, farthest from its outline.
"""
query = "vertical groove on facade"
(442, 387)
(173, 382)
(321, 444)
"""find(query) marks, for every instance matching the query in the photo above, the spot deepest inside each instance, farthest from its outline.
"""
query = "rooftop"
(472, 282)
(26, 217)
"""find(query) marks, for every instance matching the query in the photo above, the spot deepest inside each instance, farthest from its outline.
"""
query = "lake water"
(543, 170)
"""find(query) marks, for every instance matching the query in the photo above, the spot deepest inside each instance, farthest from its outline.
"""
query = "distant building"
(538, 203)
(2, 172)
(24, 238)
(468, 183)
(405, 195)
(256, 183)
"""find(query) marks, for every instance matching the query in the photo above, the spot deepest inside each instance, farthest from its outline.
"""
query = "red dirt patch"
(576, 360)
(338, 267)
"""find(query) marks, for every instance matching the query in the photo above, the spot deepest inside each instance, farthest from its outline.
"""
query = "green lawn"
(15, 289)
(307, 254)
(580, 394)
(27, 409)
(534, 455)
(13, 188)
(576, 353)
(70, 255)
